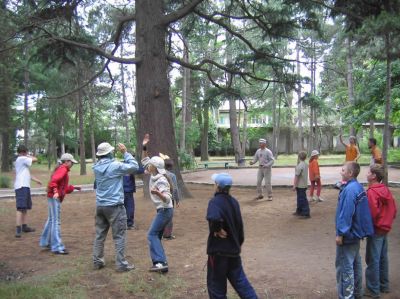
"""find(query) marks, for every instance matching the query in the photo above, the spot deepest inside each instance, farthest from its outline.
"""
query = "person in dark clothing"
(225, 239)
(129, 200)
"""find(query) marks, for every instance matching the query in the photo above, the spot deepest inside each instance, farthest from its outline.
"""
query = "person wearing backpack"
(353, 223)
(383, 211)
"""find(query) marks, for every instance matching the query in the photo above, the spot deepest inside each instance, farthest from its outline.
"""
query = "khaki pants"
(264, 173)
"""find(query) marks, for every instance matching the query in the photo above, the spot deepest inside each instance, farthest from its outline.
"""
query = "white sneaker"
(319, 199)
(159, 267)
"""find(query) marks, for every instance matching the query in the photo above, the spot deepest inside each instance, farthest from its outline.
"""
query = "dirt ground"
(283, 256)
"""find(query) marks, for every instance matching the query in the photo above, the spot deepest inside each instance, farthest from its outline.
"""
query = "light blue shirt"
(109, 179)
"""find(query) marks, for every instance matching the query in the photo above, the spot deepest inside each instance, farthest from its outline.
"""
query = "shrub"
(186, 161)
(5, 181)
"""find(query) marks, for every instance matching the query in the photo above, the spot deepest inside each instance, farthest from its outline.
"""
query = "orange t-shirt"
(376, 155)
(351, 152)
(313, 170)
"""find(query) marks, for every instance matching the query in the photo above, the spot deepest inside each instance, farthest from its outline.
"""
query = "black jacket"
(224, 212)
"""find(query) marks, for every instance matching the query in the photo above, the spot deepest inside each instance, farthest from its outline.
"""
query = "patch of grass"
(58, 285)
(154, 286)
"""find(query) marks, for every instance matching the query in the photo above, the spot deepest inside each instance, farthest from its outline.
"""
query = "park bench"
(226, 164)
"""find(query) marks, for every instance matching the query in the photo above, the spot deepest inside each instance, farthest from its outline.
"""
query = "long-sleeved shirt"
(59, 183)
(109, 179)
(264, 157)
(313, 170)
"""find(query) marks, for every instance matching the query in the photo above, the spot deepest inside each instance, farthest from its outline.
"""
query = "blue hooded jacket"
(109, 179)
(129, 181)
(353, 217)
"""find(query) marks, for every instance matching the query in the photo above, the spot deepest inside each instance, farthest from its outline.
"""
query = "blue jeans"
(303, 207)
(349, 271)
(129, 203)
(221, 268)
(376, 257)
(154, 235)
(51, 235)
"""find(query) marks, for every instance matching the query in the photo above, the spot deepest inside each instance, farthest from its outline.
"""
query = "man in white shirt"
(22, 188)
(265, 158)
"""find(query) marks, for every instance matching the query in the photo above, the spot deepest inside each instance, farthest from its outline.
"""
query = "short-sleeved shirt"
(22, 172)
(301, 171)
(376, 157)
(351, 152)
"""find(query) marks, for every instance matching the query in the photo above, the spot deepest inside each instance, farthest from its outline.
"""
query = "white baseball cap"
(314, 153)
(158, 163)
(104, 149)
(262, 140)
(68, 157)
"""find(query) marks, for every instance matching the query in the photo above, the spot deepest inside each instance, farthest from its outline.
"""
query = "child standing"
(57, 188)
(161, 195)
(315, 177)
(22, 186)
(129, 185)
(383, 211)
(225, 239)
(169, 165)
(300, 186)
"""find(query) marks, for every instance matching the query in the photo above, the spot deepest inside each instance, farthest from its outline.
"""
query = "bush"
(186, 161)
(5, 181)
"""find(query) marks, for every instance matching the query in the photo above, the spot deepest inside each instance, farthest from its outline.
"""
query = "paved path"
(282, 176)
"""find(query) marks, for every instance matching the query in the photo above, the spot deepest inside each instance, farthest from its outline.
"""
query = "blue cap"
(222, 179)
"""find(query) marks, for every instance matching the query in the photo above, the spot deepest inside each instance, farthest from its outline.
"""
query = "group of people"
(359, 214)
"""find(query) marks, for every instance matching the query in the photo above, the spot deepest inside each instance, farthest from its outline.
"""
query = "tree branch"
(120, 27)
(92, 48)
(181, 13)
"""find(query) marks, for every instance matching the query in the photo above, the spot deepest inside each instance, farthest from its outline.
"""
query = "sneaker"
(369, 294)
(28, 229)
(269, 198)
(296, 214)
(126, 268)
(304, 216)
(259, 197)
(61, 252)
(319, 199)
(159, 267)
(169, 238)
(18, 234)
(45, 248)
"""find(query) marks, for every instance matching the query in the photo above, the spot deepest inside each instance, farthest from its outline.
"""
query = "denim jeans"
(303, 207)
(106, 217)
(221, 268)
(154, 235)
(51, 235)
(376, 257)
(129, 203)
(349, 271)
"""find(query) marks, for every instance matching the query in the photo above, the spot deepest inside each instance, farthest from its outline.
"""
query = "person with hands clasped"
(57, 188)
(161, 195)
(300, 186)
(353, 223)
(225, 239)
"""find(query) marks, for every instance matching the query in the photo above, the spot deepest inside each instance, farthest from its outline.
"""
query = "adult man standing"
(376, 154)
(353, 223)
(110, 210)
(22, 188)
(265, 158)
(383, 211)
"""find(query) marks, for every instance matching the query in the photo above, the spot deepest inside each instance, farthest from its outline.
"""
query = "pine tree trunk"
(91, 127)
(204, 133)
(386, 134)
(124, 102)
(350, 85)
(185, 99)
(154, 110)
(26, 106)
(82, 158)
(299, 105)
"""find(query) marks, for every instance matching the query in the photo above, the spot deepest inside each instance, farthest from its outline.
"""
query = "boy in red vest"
(383, 210)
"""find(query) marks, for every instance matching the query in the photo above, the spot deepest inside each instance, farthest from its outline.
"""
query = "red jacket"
(59, 183)
(382, 206)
